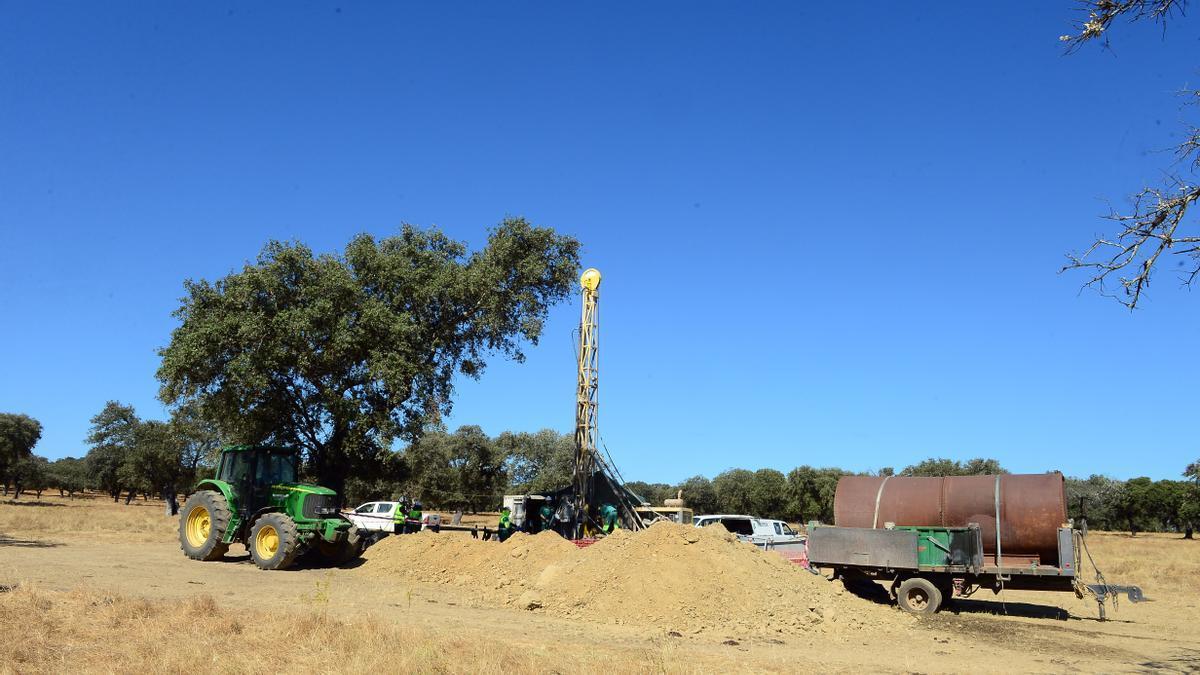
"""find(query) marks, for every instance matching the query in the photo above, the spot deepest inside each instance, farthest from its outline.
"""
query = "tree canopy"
(341, 355)
(18, 436)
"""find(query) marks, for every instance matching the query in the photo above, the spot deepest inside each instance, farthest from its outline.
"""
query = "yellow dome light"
(590, 279)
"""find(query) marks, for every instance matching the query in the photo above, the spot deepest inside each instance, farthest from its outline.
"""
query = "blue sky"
(829, 233)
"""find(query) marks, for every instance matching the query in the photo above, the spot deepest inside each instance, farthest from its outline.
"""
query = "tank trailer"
(932, 539)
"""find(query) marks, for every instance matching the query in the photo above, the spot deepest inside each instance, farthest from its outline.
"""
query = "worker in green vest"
(398, 517)
(504, 529)
(413, 522)
(608, 519)
(547, 517)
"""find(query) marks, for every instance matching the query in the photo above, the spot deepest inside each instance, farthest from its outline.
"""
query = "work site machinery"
(256, 500)
(594, 481)
(930, 539)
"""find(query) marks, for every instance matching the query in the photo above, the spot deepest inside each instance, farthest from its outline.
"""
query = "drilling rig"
(594, 481)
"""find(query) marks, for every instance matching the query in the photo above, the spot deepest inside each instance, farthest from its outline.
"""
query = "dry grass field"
(93, 586)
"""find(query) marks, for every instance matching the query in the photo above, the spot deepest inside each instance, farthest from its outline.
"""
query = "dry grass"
(87, 631)
(92, 514)
(1164, 565)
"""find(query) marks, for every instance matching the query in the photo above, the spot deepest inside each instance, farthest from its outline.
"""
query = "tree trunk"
(129, 497)
(1187, 532)
(39, 494)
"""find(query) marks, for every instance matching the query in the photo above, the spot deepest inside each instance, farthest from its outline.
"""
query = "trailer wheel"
(918, 596)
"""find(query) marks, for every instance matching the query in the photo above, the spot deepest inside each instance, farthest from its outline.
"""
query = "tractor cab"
(253, 470)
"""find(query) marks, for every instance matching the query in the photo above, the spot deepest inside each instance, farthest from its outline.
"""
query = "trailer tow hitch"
(1104, 591)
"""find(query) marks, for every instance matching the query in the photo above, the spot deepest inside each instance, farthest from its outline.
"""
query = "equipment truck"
(256, 500)
(931, 539)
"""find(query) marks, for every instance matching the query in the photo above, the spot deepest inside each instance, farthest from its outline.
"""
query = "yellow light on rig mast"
(590, 279)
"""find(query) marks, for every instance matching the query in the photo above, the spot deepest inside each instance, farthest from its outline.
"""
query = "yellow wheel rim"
(199, 526)
(266, 543)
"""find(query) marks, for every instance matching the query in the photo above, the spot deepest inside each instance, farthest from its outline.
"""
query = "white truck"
(375, 520)
(758, 531)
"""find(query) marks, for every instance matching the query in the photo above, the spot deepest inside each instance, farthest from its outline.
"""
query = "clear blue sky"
(829, 233)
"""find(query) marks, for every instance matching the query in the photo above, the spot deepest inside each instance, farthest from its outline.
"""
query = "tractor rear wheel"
(918, 596)
(202, 524)
(274, 541)
(343, 551)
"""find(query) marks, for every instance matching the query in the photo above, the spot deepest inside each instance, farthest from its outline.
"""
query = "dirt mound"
(672, 577)
(499, 573)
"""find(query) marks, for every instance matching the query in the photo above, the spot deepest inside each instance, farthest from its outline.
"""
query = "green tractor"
(256, 501)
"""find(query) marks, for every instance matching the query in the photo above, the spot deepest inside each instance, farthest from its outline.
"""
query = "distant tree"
(947, 467)
(1094, 500)
(113, 436)
(198, 438)
(69, 475)
(430, 478)
(653, 493)
(1135, 503)
(733, 491)
(810, 493)
(886, 471)
(154, 465)
(768, 494)
(539, 462)
(478, 469)
(1189, 511)
(699, 495)
(18, 435)
(933, 467)
(30, 474)
(382, 480)
(983, 467)
(342, 354)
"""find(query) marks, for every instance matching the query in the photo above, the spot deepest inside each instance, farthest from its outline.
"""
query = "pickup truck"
(758, 531)
(380, 517)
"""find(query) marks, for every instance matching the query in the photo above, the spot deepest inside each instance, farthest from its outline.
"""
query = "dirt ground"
(58, 555)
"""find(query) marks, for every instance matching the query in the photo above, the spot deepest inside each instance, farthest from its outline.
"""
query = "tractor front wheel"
(274, 541)
(202, 524)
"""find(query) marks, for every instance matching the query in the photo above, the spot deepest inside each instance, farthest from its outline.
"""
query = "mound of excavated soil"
(674, 577)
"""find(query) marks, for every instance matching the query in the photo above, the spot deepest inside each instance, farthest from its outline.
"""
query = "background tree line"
(467, 469)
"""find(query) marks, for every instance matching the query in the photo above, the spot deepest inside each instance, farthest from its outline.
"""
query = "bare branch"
(1100, 15)
(1149, 231)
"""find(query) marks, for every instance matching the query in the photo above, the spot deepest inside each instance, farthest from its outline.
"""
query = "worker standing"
(504, 529)
(412, 524)
(398, 517)
(608, 519)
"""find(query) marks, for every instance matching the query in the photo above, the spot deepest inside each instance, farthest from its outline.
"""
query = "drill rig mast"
(583, 480)
(589, 466)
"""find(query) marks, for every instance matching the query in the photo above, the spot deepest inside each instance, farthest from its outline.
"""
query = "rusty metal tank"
(1031, 508)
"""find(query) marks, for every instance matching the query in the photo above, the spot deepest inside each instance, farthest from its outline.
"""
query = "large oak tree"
(340, 355)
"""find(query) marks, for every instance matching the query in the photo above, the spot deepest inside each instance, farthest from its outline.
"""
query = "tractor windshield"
(276, 467)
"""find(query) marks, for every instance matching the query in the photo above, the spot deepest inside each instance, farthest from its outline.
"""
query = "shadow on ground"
(6, 540)
(999, 608)
(877, 593)
(13, 502)
(304, 562)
